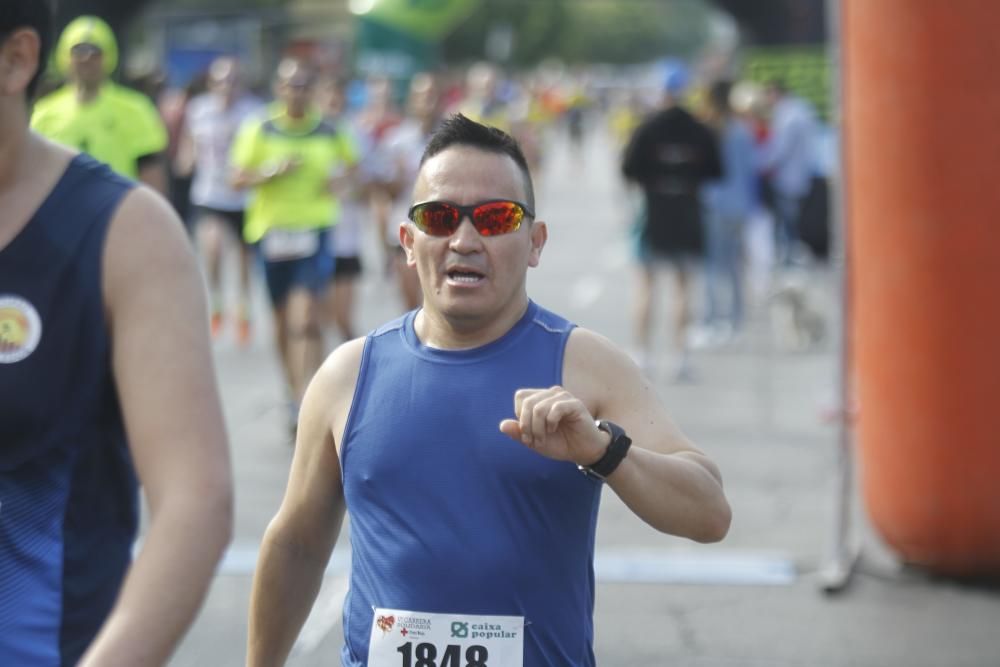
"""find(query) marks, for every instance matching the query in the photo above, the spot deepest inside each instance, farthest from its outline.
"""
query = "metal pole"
(844, 547)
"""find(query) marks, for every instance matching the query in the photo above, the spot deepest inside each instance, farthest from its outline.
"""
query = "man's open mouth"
(464, 276)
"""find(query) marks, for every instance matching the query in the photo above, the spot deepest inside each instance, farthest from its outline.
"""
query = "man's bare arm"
(299, 540)
(163, 369)
(664, 479)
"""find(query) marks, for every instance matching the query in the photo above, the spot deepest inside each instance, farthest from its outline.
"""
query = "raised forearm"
(680, 494)
(167, 582)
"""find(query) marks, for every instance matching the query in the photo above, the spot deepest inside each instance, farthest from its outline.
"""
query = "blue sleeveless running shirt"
(449, 515)
(68, 495)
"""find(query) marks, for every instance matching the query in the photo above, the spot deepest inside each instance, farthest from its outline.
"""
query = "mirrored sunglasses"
(490, 218)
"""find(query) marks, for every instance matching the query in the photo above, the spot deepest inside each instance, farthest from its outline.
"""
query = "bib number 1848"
(426, 655)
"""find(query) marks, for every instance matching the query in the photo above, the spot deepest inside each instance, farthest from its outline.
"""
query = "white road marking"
(705, 567)
(656, 566)
(702, 567)
(325, 616)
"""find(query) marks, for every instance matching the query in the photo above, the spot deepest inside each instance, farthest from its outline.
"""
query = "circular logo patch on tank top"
(20, 329)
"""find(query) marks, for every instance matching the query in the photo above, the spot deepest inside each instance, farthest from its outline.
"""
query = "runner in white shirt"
(211, 124)
(404, 147)
(345, 238)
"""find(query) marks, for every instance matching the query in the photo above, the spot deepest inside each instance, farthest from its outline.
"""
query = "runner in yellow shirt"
(113, 124)
(293, 161)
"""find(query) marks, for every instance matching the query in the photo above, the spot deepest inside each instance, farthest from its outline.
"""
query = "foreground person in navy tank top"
(105, 384)
(461, 440)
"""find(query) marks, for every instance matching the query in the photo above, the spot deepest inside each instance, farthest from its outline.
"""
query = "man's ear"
(406, 242)
(19, 61)
(539, 235)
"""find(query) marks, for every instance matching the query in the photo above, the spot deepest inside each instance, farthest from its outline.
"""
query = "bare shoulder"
(593, 366)
(146, 242)
(144, 209)
(340, 369)
(610, 384)
(331, 391)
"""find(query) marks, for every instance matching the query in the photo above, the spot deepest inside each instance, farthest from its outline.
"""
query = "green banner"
(806, 71)
(381, 50)
(428, 20)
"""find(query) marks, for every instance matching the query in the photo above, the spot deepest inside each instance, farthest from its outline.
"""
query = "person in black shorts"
(211, 122)
(345, 237)
(670, 155)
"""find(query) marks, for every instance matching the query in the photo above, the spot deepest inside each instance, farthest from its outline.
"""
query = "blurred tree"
(778, 22)
(225, 5)
(119, 12)
(638, 31)
(115, 12)
(607, 31)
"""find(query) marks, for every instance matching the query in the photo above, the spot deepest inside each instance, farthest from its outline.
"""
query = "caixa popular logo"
(20, 329)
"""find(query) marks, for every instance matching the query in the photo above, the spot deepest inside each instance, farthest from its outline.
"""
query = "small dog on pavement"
(797, 324)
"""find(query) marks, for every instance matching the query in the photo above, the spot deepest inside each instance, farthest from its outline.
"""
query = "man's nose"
(466, 238)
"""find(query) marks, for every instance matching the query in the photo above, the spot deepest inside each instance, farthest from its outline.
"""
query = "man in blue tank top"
(469, 442)
(103, 325)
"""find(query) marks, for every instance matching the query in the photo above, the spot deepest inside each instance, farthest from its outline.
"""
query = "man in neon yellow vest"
(292, 160)
(113, 124)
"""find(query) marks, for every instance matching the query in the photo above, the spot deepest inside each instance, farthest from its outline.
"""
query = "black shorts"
(233, 219)
(347, 267)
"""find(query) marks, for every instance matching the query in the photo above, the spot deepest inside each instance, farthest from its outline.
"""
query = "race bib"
(418, 639)
(280, 245)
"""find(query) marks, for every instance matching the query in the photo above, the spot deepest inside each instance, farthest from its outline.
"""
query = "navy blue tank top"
(68, 495)
(449, 515)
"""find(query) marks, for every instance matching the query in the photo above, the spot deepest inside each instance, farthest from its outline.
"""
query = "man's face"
(423, 99)
(467, 278)
(223, 78)
(296, 92)
(87, 63)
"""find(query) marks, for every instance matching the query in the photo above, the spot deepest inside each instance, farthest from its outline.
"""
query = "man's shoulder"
(670, 121)
(549, 320)
(389, 327)
(594, 365)
(54, 102)
(126, 97)
(339, 372)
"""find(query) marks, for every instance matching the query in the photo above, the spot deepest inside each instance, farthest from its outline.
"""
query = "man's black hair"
(37, 15)
(457, 130)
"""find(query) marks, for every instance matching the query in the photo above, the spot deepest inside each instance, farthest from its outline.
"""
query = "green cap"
(87, 30)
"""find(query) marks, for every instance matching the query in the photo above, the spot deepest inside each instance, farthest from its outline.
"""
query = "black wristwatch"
(614, 454)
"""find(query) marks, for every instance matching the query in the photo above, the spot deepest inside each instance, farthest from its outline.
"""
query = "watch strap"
(613, 455)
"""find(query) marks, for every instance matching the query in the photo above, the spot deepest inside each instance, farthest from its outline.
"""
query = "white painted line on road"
(656, 566)
(709, 567)
(242, 559)
(325, 616)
